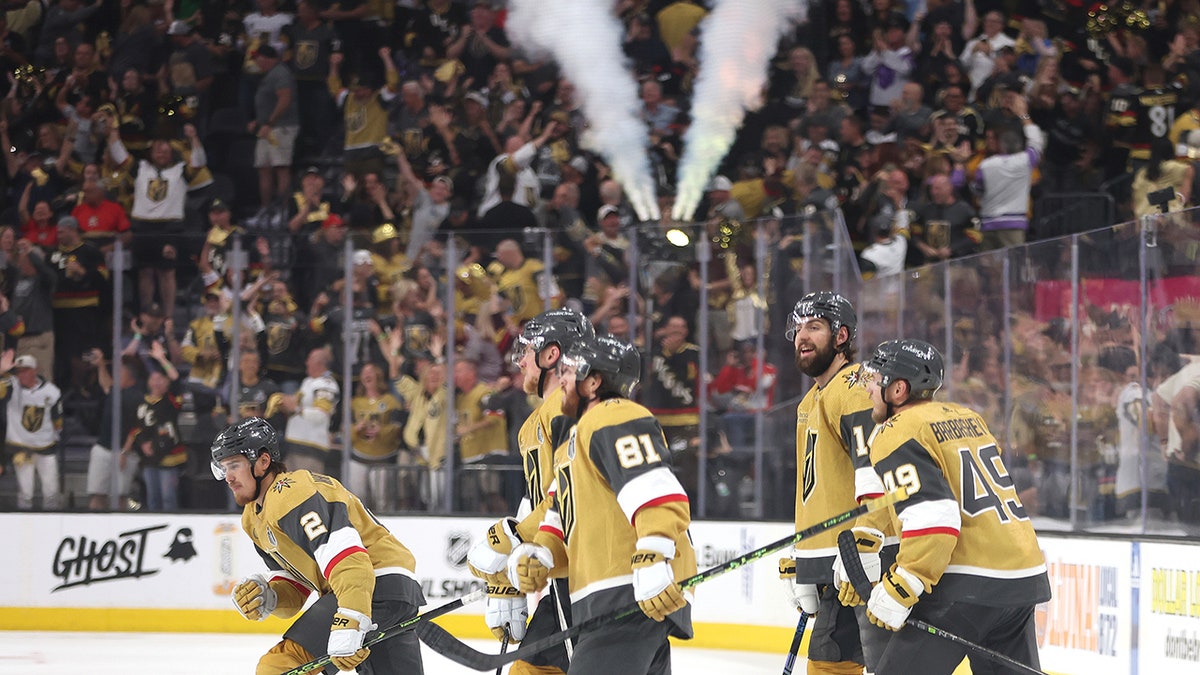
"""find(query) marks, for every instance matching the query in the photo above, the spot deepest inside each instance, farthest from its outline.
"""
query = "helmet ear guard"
(617, 362)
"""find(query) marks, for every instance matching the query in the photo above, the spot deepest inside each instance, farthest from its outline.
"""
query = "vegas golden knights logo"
(566, 501)
(809, 477)
(516, 296)
(356, 119)
(279, 337)
(306, 54)
(937, 233)
(32, 418)
(416, 337)
(156, 189)
(533, 471)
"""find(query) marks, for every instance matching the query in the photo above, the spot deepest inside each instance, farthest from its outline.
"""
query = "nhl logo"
(457, 545)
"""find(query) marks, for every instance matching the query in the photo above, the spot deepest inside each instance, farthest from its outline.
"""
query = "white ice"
(51, 653)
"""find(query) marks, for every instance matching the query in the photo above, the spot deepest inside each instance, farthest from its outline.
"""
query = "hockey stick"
(503, 648)
(795, 648)
(442, 642)
(317, 665)
(862, 585)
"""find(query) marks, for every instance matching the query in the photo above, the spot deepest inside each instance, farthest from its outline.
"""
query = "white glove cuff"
(869, 530)
(364, 621)
(486, 559)
(657, 544)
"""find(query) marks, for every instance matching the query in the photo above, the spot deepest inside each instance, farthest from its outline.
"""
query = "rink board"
(1120, 606)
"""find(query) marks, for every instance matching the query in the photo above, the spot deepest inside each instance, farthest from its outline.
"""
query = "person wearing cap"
(76, 301)
(63, 19)
(208, 339)
(430, 205)
(100, 460)
(388, 261)
(321, 258)
(100, 219)
(218, 243)
(194, 50)
(32, 281)
(34, 421)
(308, 208)
(364, 107)
(154, 438)
(276, 123)
(721, 203)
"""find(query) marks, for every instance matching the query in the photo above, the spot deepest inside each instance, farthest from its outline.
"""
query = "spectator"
(425, 429)
(516, 159)
(309, 413)
(889, 63)
(34, 421)
(276, 123)
(321, 258)
(101, 219)
(33, 282)
(207, 341)
(253, 390)
(312, 42)
(670, 394)
(375, 439)
(847, 73)
(658, 115)
(364, 108)
(100, 459)
(76, 301)
(63, 20)
(154, 439)
(287, 336)
(192, 64)
(519, 280)
(308, 207)
(979, 54)
(1163, 172)
(945, 226)
(157, 218)
(482, 438)
(481, 44)
(741, 388)
(430, 206)
(1003, 181)
(1174, 405)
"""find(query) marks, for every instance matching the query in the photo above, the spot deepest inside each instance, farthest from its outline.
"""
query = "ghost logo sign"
(80, 561)
(181, 546)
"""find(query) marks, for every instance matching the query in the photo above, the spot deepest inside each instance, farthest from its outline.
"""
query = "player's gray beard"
(821, 362)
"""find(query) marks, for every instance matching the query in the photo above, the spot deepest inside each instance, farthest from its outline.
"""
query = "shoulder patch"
(571, 444)
(282, 484)
(322, 479)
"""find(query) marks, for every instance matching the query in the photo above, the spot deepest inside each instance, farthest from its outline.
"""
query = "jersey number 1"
(636, 450)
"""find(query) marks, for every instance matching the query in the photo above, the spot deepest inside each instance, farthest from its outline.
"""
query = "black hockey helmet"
(563, 327)
(915, 361)
(618, 361)
(828, 305)
(249, 437)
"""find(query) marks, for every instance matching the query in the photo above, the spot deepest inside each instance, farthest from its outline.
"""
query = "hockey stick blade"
(318, 665)
(441, 641)
(862, 585)
(794, 650)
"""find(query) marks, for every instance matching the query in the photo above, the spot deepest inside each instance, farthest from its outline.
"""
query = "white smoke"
(584, 37)
(737, 41)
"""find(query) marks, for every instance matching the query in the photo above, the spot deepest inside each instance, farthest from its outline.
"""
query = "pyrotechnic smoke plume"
(737, 41)
(584, 37)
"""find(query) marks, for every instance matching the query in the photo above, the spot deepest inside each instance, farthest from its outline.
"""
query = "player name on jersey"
(951, 430)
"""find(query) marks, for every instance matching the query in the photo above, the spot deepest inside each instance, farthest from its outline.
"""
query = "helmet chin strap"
(258, 480)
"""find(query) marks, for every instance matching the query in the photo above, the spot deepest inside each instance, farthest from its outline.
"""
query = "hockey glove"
(346, 638)
(488, 559)
(529, 567)
(805, 597)
(654, 585)
(254, 597)
(893, 598)
(507, 611)
(869, 542)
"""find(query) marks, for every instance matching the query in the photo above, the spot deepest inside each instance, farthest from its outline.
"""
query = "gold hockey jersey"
(963, 528)
(614, 485)
(377, 426)
(537, 439)
(833, 468)
(317, 536)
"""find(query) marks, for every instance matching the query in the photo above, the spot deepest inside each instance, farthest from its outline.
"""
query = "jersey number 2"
(313, 527)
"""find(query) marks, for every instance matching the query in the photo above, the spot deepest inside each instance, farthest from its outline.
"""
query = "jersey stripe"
(340, 557)
(867, 484)
(339, 544)
(908, 534)
(602, 585)
(284, 576)
(656, 486)
(994, 573)
(921, 516)
(666, 499)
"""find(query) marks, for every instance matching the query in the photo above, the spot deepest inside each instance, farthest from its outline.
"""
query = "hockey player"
(619, 519)
(539, 352)
(833, 475)
(316, 536)
(968, 558)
